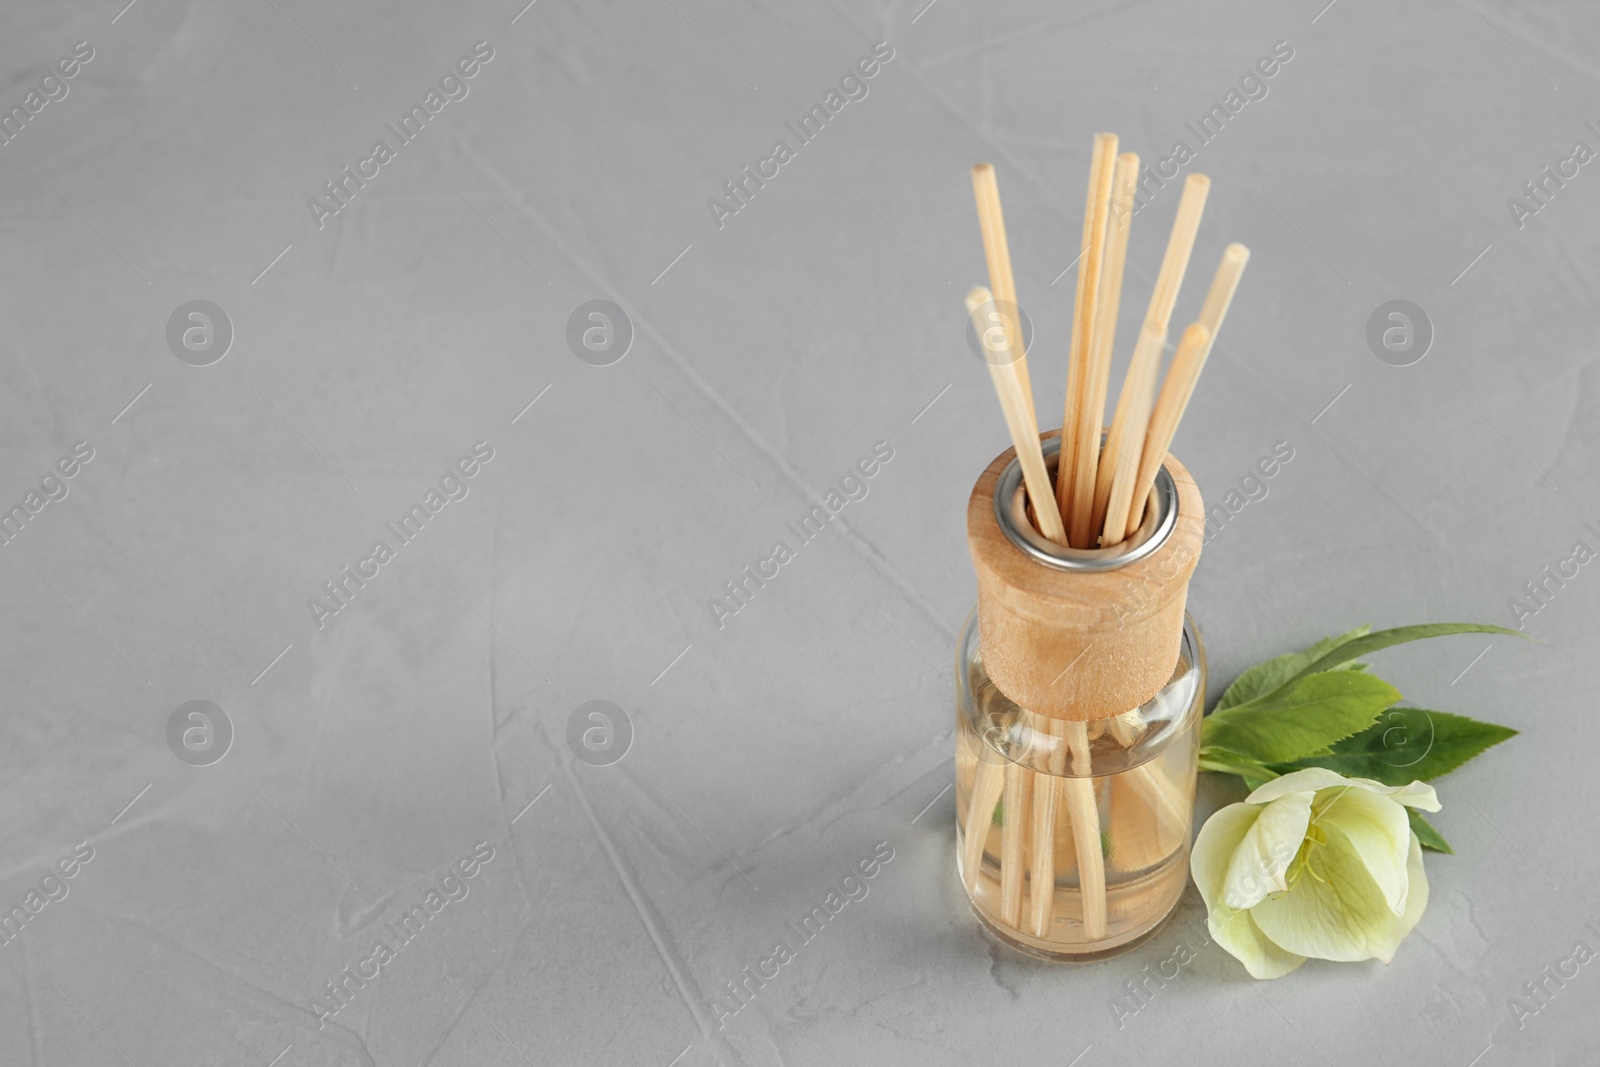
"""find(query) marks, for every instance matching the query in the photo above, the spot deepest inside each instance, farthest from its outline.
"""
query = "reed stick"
(1175, 392)
(1047, 794)
(997, 252)
(1163, 796)
(1165, 799)
(1182, 376)
(1091, 411)
(1115, 480)
(1180, 245)
(987, 784)
(1119, 469)
(1223, 285)
(1084, 810)
(1009, 374)
(1140, 838)
(1091, 250)
(1127, 728)
(1013, 842)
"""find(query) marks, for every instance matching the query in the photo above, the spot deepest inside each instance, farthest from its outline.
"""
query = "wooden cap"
(1081, 643)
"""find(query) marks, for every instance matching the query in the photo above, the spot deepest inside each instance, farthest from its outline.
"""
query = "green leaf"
(1306, 716)
(1427, 836)
(1369, 643)
(1408, 744)
(1265, 677)
(1222, 761)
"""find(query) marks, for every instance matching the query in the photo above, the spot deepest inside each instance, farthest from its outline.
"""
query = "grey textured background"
(772, 754)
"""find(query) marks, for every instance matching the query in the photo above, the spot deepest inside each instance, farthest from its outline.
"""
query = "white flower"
(1313, 864)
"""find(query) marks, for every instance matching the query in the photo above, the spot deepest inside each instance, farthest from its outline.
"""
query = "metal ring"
(1010, 512)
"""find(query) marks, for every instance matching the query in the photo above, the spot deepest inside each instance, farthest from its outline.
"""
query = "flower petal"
(1416, 899)
(1416, 795)
(1214, 847)
(1334, 910)
(1308, 780)
(1373, 829)
(1238, 935)
(1262, 857)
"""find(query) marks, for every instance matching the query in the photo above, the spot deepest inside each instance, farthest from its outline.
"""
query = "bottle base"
(1055, 952)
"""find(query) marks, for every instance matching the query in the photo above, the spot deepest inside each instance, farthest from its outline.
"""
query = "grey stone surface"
(371, 352)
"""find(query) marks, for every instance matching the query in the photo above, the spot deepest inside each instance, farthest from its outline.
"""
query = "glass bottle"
(1134, 787)
(1080, 686)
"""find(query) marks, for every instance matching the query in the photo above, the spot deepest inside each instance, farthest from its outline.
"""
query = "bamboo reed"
(1102, 165)
(1097, 377)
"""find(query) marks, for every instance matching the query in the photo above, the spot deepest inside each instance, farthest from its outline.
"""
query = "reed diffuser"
(1080, 677)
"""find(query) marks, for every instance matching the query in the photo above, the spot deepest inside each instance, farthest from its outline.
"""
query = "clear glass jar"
(1073, 838)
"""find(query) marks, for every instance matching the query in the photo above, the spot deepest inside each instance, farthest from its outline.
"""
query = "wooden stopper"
(1082, 644)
